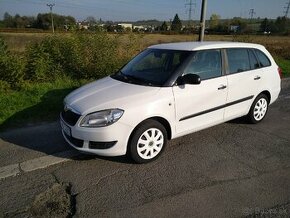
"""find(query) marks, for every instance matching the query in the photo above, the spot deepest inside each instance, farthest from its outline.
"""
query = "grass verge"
(34, 103)
(284, 64)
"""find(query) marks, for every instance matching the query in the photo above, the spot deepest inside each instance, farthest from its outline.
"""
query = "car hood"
(107, 93)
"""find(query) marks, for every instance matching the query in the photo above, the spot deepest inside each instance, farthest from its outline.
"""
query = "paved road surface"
(230, 170)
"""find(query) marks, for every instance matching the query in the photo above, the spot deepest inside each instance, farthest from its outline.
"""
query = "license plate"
(65, 128)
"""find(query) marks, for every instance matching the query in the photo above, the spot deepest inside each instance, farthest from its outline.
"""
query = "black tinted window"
(253, 60)
(238, 60)
(263, 59)
(206, 64)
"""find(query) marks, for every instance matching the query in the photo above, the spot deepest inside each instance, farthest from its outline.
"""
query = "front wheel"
(148, 141)
(258, 109)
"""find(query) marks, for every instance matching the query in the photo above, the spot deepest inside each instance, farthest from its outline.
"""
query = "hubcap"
(260, 109)
(150, 143)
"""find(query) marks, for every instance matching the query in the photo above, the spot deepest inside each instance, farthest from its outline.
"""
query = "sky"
(133, 10)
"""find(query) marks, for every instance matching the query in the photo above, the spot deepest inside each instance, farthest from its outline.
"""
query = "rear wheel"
(258, 109)
(148, 141)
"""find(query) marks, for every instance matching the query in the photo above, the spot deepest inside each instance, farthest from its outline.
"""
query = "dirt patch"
(54, 202)
(277, 211)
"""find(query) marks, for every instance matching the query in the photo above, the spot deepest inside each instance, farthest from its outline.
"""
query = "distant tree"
(91, 20)
(214, 21)
(128, 29)
(7, 16)
(281, 24)
(164, 26)
(240, 23)
(110, 27)
(43, 21)
(19, 22)
(120, 29)
(176, 24)
(8, 20)
(265, 25)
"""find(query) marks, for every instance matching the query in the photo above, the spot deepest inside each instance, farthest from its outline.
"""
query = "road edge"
(37, 163)
(285, 83)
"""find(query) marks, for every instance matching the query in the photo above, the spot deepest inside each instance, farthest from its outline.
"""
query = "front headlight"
(102, 118)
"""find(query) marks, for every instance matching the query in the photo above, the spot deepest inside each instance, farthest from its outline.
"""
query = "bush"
(39, 65)
(78, 56)
(11, 73)
(74, 56)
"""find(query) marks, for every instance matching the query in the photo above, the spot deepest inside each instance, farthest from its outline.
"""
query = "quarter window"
(253, 60)
(238, 60)
(206, 64)
(263, 59)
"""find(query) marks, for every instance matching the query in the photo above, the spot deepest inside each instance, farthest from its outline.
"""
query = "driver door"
(200, 106)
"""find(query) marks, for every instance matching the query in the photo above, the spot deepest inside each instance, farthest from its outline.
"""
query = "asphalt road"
(231, 170)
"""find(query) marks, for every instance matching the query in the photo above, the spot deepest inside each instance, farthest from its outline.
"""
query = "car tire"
(258, 109)
(147, 142)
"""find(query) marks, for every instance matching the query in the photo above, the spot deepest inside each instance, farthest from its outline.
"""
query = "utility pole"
(202, 20)
(287, 9)
(50, 7)
(190, 6)
(252, 13)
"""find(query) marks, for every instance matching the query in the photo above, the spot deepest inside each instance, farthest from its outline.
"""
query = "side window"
(263, 59)
(238, 60)
(206, 64)
(253, 60)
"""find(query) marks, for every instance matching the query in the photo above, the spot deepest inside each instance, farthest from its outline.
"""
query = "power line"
(191, 6)
(287, 9)
(50, 7)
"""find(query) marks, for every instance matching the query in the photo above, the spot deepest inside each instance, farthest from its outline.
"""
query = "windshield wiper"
(134, 79)
(140, 81)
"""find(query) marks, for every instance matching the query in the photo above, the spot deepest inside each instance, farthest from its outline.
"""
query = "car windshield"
(152, 67)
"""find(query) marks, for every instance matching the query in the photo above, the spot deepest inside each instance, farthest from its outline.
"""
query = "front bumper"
(105, 141)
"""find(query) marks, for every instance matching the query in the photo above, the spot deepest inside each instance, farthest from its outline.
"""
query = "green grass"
(34, 103)
(284, 64)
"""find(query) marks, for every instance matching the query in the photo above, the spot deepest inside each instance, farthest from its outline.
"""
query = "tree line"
(216, 25)
(41, 21)
(280, 25)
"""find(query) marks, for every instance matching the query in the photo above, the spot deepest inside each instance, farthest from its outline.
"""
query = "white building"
(126, 25)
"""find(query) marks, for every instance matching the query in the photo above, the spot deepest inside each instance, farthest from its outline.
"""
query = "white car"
(167, 91)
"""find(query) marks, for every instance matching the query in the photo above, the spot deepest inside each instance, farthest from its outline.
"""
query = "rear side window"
(207, 64)
(263, 59)
(238, 60)
(253, 60)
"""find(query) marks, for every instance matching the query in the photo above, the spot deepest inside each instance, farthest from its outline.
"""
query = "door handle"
(222, 87)
(257, 78)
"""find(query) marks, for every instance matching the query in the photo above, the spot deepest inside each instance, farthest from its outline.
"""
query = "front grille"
(76, 142)
(70, 117)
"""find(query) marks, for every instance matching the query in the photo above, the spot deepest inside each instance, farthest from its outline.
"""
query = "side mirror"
(191, 79)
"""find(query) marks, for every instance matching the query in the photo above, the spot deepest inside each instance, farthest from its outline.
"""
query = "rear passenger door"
(244, 80)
